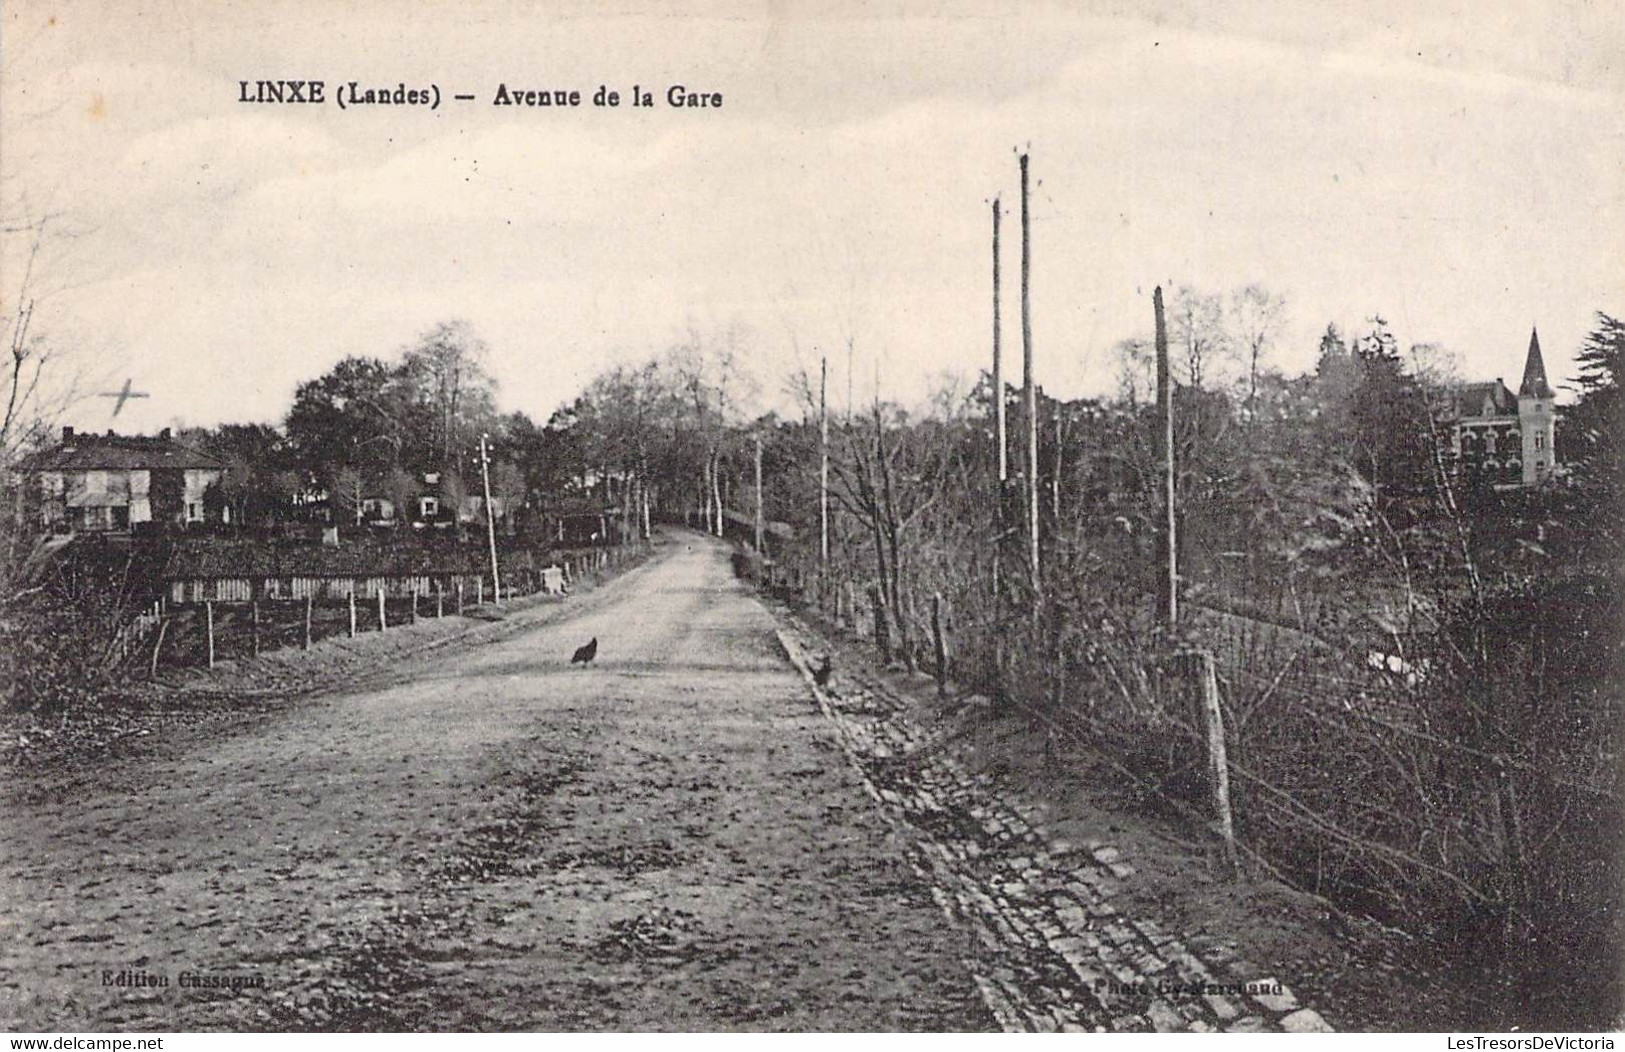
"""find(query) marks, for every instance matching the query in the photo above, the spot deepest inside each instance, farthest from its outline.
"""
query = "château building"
(1502, 438)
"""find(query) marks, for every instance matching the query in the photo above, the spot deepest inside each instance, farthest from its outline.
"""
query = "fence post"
(254, 620)
(383, 623)
(459, 597)
(1515, 935)
(208, 618)
(439, 600)
(1218, 766)
(352, 609)
(414, 603)
(310, 602)
(163, 626)
(940, 643)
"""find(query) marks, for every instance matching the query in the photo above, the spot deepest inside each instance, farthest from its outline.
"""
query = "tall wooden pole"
(1030, 390)
(823, 466)
(1002, 452)
(490, 519)
(849, 381)
(759, 522)
(1055, 482)
(998, 358)
(716, 489)
(1168, 594)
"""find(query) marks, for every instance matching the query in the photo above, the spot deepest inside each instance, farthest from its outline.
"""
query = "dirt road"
(492, 839)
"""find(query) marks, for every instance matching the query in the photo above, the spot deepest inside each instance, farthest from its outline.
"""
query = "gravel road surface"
(489, 838)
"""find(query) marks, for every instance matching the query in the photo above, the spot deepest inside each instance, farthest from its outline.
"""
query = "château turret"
(1536, 416)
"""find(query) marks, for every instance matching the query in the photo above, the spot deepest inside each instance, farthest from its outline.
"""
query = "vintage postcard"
(973, 517)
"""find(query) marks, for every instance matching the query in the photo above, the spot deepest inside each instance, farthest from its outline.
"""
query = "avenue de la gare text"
(354, 93)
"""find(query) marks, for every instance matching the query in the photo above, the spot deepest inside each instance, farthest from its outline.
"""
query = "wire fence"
(1474, 800)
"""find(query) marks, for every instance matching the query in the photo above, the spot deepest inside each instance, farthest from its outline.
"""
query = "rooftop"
(89, 452)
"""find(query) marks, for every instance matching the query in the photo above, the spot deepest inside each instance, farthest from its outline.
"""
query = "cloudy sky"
(1460, 171)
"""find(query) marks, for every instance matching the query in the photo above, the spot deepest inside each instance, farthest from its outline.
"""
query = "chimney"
(67, 433)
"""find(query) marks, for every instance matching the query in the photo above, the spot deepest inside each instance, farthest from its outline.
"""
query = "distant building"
(111, 483)
(431, 499)
(1507, 439)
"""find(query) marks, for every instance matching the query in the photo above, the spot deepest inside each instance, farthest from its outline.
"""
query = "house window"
(428, 507)
(1540, 440)
(194, 511)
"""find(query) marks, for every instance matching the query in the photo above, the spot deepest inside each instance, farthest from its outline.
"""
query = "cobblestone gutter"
(1058, 955)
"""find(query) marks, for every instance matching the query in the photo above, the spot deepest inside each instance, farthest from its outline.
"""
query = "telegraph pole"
(759, 492)
(823, 466)
(998, 359)
(490, 518)
(1003, 461)
(1055, 483)
(1168, 593)
(1030, 389)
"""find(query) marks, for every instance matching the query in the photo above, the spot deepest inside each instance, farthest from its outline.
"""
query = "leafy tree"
(1336, 380)
(345, 492)
(351, 416)
(1591, 432)
(255, 489)
(1388, 426)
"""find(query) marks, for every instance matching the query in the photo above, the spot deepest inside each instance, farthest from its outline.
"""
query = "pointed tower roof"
(1534, 372)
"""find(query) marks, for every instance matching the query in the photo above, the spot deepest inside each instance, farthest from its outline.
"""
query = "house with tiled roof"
(1503, 438)
(92, 483)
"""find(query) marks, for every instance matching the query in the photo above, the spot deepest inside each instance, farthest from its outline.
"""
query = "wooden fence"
(202, 619)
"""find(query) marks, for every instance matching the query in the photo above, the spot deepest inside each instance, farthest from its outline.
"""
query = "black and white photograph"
(872, 516)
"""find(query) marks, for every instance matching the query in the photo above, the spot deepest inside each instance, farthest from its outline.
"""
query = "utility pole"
(759, 492)
(1168, 593)
(849, 381)
(823, 466)
(998, 359)
(1055, 483)
(1003, 461)
(716, 489)
(490, 519)
(1030, 390)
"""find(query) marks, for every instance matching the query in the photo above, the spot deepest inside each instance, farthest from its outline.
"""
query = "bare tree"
(1256, 314)
(446, 371)
(1197, 321)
